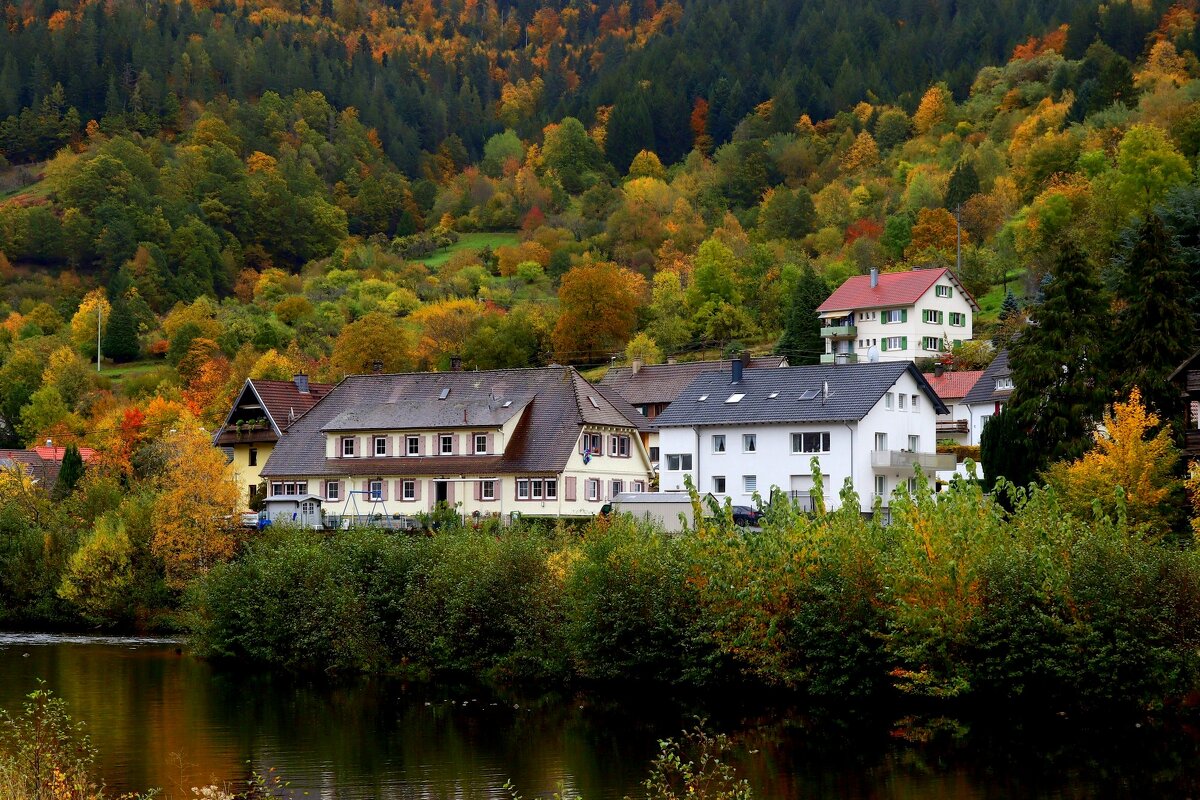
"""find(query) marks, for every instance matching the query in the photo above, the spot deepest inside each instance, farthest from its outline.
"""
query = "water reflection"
(163, 719)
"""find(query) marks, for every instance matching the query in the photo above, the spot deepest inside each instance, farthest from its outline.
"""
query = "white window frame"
(958, 319)
(894, 343)
(942, 290)
(889, 401)
(893, 316)
(881, 441)
(623, 448)
(914, 443)
(931, 344)
(481, 443)
(333, 490)
(881, 486)
(347, 447)
(749, 484)
(412, 445)
(718, 443)
(916, 403)
(749, 442)
(1003, 384)
(618, 486)
(487, 490)
(593, 489)
(930, 316)
(373, 495)
(638, 486)
(408, 490)
(799, 445)
(901, 402)
(535, 489)
(551, 487)
(446, 444)
(523, 488)
(380, 445)
(718, 484)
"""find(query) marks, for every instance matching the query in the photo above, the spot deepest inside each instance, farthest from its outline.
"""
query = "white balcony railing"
(906, 459)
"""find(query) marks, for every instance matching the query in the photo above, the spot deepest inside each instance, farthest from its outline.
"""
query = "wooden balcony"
(1191, 442)
(952, 426)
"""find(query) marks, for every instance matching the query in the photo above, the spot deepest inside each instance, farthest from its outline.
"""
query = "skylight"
(444, 393)
(809, 394)
(593, 401)
(701, 398)
(507, 403)
(773, 395)
(736, 397)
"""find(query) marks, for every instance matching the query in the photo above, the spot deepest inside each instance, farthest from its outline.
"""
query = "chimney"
(301, 381)
(377, 367)
(456, 363)
(939, 369)
(874, 277)
(636, 364)
(672, 360)
(49, 443)
(737, 370)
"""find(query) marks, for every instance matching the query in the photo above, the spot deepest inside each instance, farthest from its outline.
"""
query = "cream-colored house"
(261, 413)
(381, 449)
(896, 316)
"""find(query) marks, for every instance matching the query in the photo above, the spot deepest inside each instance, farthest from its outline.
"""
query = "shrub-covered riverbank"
(955, 598)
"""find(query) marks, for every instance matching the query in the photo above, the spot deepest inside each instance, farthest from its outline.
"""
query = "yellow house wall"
(244, 475)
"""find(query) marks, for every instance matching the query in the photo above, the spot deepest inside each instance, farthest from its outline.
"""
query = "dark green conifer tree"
(69, 473)
(1057, 362)
(801, 340)
(1005, 451)
(1154, 331)
(964, 184)
(630, 131)
(120, 341)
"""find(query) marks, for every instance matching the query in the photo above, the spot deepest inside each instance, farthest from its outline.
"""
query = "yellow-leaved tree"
(84, 332)
(1193, 489)
(194, 527)
(1133, 453)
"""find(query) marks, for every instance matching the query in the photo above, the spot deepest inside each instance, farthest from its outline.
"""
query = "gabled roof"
(1184, 366)
(52, 453)
(774, 395)
(894, 289)
(953, 385)
(984, 390)
(662, 383)
(282, 403)
(43, 463)
(555, 404)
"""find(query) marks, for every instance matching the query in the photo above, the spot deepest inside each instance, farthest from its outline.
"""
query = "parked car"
(746, 516)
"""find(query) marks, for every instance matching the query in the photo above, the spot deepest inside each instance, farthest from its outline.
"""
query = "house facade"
(896, 316)
(261, 413)
(989, 394)
(1186, 378)
(952, 387)
(651, 388)
(750, 432)
(384, 448)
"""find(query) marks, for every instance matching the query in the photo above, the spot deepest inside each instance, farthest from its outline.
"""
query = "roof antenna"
(826, 392)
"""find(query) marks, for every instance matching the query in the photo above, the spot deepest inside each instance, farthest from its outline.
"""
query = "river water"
(160, 718)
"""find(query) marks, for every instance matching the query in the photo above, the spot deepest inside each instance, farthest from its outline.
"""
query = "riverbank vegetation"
(1047, 604)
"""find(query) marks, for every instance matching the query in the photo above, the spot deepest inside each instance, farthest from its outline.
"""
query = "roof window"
(507, 403)
(809, 394)
(701, 398)
(772, 395)
(593, 402)
(736, 397)
(444, 393)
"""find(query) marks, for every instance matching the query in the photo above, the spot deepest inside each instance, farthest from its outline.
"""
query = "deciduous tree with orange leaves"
(1132, 456)
(193, 516)
(599, 302)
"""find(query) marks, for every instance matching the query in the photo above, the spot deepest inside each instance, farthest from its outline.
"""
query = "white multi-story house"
(989, 394)
(896, 316)
(380, 449)
(747, 432)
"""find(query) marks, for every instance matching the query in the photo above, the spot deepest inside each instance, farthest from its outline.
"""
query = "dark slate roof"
(557, 403)
(42, 470)
(984, 390)
(854, 389)
(662, 383)
(282, 403)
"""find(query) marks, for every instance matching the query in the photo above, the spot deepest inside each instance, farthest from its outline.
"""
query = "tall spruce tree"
(1005, 451)
(801, 340)
(69, 473)
(1154, 331)
(964, 184)
(120, 341)
(1057, 364)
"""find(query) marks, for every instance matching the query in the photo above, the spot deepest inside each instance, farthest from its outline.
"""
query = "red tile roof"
(894, 289)
(57, 453)
(953, 385)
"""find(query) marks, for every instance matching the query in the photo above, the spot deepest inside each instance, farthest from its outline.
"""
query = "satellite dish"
(873, 354)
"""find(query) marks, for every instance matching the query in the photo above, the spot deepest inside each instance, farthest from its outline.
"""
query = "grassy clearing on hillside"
(471, 241)
(118, 372)
(989, 304)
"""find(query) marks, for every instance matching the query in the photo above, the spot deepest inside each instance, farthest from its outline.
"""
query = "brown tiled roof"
(953, 385)
(44, 471)
(555, 400)
(285, 402)
(662, 383)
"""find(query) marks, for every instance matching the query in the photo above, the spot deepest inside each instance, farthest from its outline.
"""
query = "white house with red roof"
(896, 316)
(952, 387)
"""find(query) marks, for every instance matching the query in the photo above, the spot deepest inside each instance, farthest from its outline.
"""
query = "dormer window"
(481, 443)
(348, 446)
(1004, 384)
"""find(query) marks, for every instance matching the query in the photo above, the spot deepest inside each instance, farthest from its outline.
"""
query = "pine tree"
(69, 473)
(964, 184)
(630, 130)
(801, 340)
(120, 341)
(1154, 329)
(1005, 452)
(1057, 365)
(1009, 307)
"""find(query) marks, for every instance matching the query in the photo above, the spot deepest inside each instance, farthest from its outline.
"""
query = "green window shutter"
(941, 316)
(957, 342)
(903, 342)
(883, 344)
(904, 315)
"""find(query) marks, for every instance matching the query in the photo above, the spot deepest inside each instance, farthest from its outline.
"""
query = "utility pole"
(958, 247)
(99, 314)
